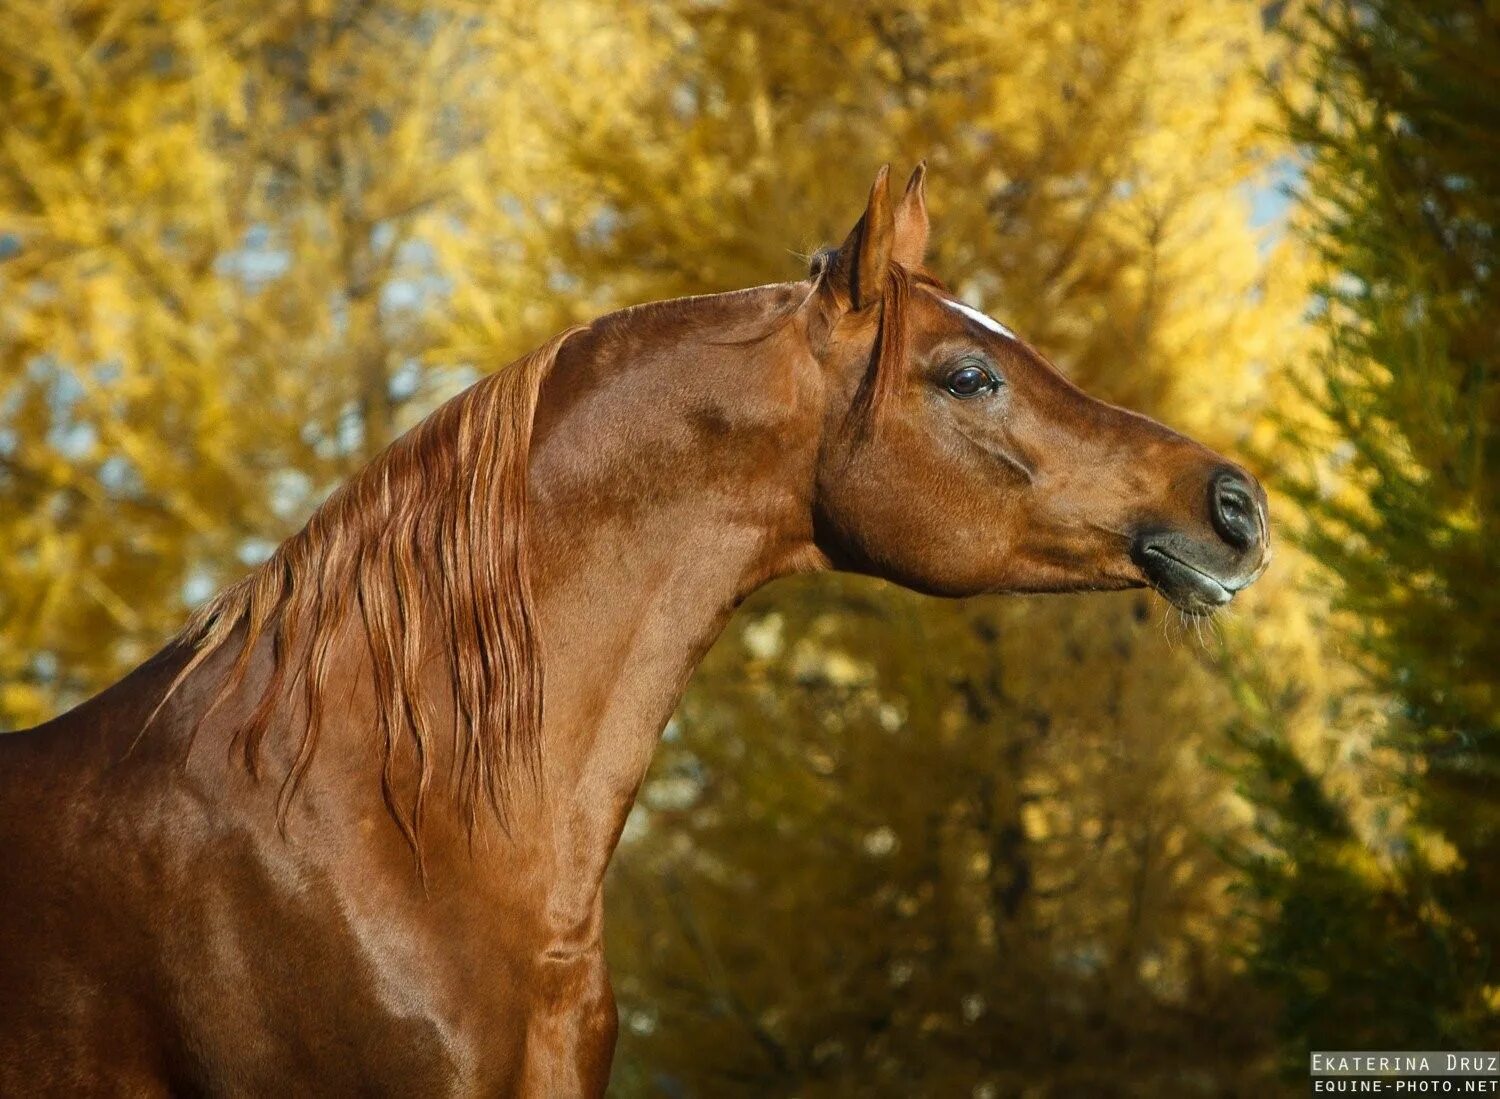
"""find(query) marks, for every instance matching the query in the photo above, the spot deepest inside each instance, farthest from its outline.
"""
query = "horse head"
(957, 460)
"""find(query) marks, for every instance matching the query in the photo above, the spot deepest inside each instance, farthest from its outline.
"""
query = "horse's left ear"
(859, 267)
(909, 242)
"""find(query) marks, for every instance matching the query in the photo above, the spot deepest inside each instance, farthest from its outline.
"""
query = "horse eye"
(970, 380)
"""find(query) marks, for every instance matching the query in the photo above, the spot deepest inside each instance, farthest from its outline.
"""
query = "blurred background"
(891, 846)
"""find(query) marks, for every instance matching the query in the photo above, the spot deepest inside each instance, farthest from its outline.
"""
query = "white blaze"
(980, 318)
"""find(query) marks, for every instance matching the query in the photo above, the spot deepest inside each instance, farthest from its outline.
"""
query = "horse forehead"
(984, 320)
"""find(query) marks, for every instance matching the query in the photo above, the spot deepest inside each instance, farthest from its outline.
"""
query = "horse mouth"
(1184, 585)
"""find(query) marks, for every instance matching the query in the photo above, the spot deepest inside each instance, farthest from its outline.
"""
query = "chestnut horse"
(343, 835)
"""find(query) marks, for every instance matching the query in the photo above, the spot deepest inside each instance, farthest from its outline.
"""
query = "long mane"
(425, 550)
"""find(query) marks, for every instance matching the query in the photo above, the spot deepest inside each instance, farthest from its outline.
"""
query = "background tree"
(1384, 936)
(240, 246)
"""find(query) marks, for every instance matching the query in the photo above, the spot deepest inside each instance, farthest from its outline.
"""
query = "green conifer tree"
(1383, 936)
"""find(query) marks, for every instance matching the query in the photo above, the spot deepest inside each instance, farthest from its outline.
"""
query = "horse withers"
(347, 832)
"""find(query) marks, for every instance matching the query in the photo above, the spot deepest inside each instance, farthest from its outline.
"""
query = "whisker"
(1166, 625)
(1216, 625)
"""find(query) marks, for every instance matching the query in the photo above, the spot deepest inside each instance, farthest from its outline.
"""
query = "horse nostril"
(1233, 509)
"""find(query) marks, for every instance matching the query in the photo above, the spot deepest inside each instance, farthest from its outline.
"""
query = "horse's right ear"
(909, 242)
(856, 272)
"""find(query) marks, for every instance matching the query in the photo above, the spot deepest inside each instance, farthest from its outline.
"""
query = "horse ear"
(909, 245)
(860, 265)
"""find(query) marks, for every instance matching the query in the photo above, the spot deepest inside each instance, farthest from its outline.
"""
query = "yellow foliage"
(245, 243)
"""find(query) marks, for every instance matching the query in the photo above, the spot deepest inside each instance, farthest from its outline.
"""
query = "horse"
(347, 832)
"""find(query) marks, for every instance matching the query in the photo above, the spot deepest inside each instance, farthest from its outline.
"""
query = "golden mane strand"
(427, 547)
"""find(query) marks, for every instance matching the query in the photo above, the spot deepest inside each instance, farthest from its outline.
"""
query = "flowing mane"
(427, 546)
(425, 550)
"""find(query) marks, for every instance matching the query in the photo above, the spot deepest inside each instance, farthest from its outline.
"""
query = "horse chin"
(1190, 609)
(1189, 588)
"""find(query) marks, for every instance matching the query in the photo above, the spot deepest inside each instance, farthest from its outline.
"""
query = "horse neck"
(671, 474)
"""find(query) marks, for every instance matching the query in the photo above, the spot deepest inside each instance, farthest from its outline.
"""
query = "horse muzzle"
(1198, 574)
